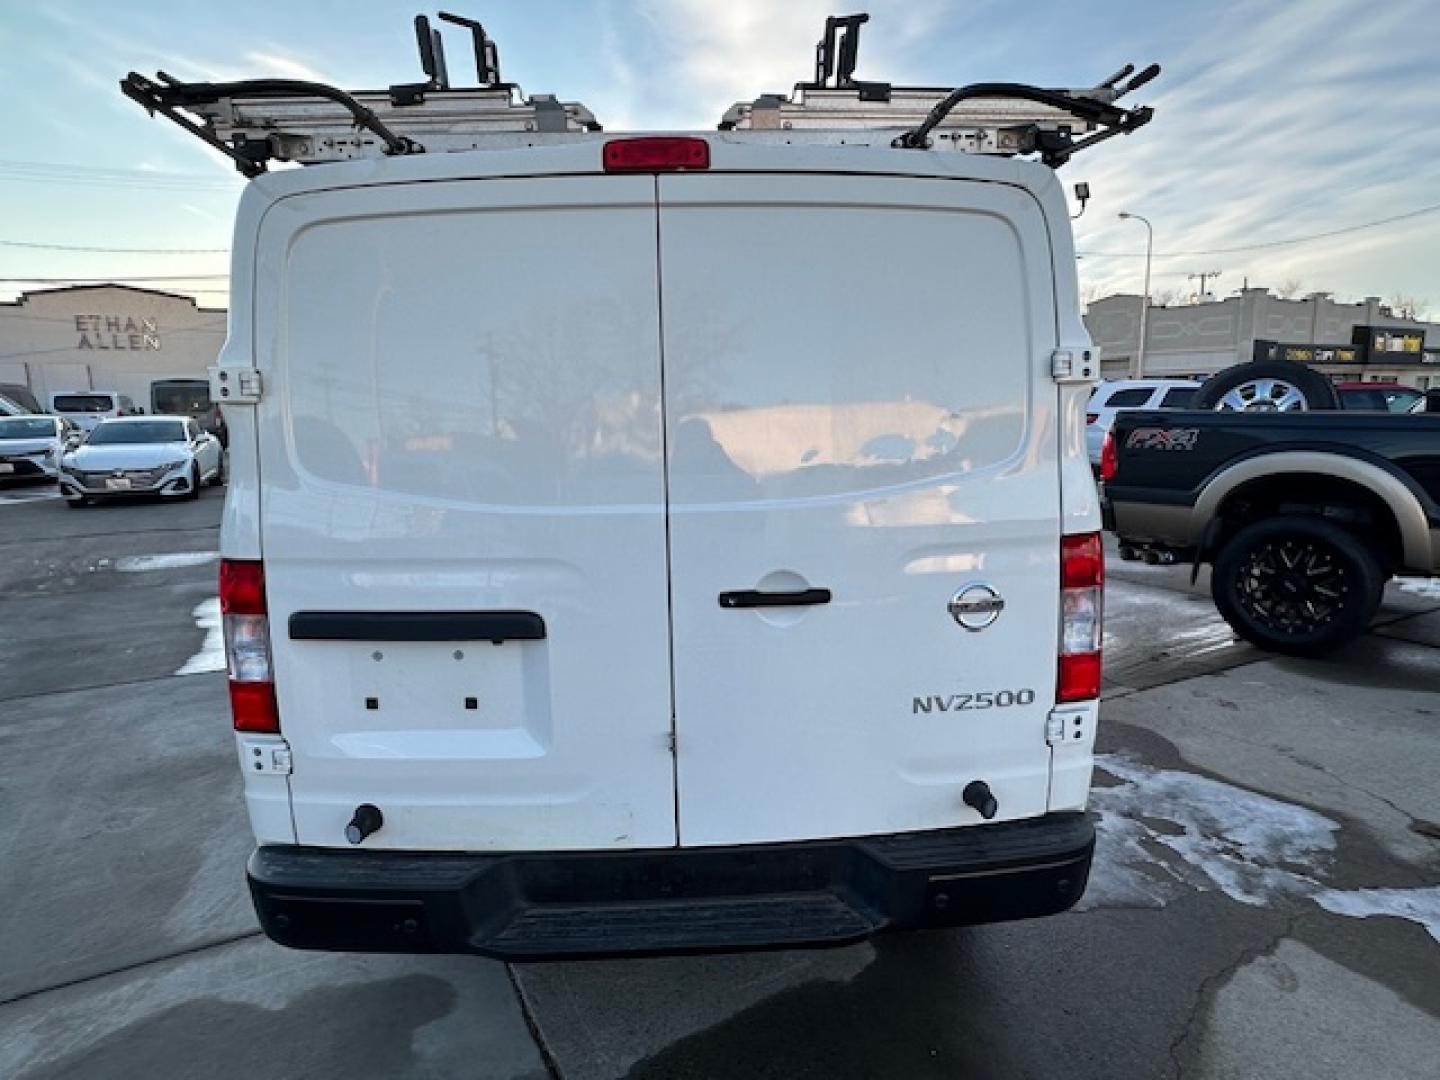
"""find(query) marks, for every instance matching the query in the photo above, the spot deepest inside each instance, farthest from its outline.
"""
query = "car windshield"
(141, 431)
(83, 403)
(24, 427)
(192, 398)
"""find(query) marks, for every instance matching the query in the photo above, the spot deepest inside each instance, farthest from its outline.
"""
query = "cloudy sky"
(1274, 121)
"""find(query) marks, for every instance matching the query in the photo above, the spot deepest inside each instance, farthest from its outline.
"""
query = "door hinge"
(234, 385)
(1075, 365)
(1071, 725)
(671, 741)
(265, 755)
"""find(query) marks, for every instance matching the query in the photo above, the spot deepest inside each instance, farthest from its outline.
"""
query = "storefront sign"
(118, 332)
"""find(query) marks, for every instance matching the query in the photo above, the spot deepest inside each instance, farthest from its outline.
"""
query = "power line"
(1269, 243)
(110, 280)
(115, 250)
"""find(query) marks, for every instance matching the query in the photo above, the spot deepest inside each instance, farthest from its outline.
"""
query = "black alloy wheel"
(1298, 585)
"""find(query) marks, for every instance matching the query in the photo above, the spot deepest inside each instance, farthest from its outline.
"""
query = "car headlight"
(174, 464)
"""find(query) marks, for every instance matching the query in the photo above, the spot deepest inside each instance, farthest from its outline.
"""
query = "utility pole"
(1145, 300)
(1204, 276)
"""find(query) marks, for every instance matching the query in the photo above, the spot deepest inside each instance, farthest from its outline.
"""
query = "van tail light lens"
(655, 154)
(1082, 587)
(1109, 461)
(247, 645)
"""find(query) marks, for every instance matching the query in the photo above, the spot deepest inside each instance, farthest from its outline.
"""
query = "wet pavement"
(1265, 901)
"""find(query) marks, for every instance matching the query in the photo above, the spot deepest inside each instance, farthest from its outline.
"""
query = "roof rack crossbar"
(169, 98)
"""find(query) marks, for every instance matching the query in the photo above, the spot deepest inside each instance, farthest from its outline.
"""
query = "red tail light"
(1109, 461)
(1082, 583)
(655, 154)
(247, 645)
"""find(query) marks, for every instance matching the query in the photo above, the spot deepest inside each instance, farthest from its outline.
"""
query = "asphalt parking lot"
(1265, 902)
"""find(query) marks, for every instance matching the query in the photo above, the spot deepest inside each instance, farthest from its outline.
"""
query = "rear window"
(181, 398)
(144, 431)
(26, 428)
(83, 403)
(1179, 397)
(1128, 399)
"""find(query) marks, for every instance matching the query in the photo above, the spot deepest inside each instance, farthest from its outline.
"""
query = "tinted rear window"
(181, 398)
(1178, 398)
(83, 403)
(1128, 399)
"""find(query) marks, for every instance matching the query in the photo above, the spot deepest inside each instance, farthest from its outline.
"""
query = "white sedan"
(30, 446)
(141, 455)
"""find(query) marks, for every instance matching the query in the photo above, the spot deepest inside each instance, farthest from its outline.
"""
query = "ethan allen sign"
(117, 332)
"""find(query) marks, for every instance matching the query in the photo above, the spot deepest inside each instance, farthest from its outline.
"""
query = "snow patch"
(134, 564)
(1420, 586)
(1162, 831)
(1417, 905)
(1161, 828)
(211, 656)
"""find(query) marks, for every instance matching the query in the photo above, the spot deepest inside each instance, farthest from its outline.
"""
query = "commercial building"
(106, 337)
(1364, 341)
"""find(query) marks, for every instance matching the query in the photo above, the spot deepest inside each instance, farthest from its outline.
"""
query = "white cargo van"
(661, 544)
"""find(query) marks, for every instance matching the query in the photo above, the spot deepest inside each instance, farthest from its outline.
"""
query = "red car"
(1378, 396)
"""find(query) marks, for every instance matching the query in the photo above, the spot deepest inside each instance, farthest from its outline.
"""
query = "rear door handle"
(747, 598)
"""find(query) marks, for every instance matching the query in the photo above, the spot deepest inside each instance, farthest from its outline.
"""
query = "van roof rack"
(256, 121)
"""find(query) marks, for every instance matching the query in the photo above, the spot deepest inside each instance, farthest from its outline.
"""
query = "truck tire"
(1296, 584)
(1267, 386)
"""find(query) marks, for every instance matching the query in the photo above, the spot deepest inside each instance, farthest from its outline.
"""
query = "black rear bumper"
(551, 906)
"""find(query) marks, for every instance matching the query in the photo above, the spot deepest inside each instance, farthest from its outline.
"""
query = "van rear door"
(858, 404)
(460, 440)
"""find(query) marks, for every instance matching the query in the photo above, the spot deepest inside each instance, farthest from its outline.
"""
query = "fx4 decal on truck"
(1150, 438)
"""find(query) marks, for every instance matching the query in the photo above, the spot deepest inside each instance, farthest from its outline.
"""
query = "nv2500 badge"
(982, 699)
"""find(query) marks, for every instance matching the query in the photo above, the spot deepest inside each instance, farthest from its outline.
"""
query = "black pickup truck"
(1303, 515)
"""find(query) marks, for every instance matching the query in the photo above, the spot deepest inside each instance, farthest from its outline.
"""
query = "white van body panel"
(467, 416)
(496, 380)
(884, 430)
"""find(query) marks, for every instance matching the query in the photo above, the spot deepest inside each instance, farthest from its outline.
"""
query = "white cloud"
(1300, 121)
(710, 55)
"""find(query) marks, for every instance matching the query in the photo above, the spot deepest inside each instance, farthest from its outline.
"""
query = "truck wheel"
(1297, 585)
(1266, 386)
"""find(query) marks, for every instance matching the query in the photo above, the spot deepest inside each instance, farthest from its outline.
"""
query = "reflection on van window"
(83, 403)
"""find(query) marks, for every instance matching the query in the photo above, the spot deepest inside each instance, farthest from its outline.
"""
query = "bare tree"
(1164, 297)
(1289, 289)
(1409, 307)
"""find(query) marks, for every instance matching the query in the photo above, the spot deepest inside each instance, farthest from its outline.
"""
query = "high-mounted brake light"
(1082, 584)
(1091, 417)
(247, 645)
(656, 154)
(1109, 462)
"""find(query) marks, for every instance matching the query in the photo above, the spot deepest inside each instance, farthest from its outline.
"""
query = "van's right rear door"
(461, 418)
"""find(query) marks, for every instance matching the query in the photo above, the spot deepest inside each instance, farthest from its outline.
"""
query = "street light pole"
(1145, 302)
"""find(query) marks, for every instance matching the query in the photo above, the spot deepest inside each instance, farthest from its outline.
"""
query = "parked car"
(189, 397)
(1380, 397)
(141, 455)
(16, 399)
(1304, 515)
(31, 446)
(1115, 395)
(87, 408)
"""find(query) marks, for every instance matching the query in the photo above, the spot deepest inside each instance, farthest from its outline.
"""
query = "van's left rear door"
(462, 415)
